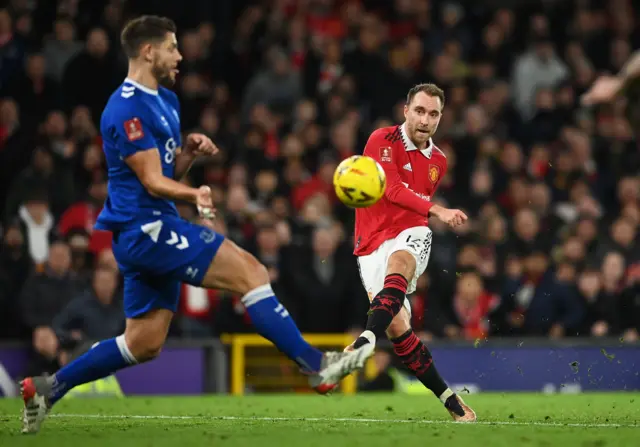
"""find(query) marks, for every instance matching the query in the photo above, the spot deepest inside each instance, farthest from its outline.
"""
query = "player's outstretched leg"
(387, 314)
(142, 341)
(237, 271)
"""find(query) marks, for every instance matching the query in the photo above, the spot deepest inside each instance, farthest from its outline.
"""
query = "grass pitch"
(592, 419)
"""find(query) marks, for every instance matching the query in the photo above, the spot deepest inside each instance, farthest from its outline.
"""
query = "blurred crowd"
(287, 89)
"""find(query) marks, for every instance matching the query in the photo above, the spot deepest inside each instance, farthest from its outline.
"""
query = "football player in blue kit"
(156, 250)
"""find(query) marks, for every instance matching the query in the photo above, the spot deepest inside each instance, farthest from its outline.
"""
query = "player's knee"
(256, 274)
(145, 339)
(144, 349)
(402, 262)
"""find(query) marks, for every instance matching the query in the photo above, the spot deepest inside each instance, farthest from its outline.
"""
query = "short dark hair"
(142, 30)
(429, 89)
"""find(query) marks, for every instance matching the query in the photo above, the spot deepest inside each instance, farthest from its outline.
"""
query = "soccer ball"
(359, 181)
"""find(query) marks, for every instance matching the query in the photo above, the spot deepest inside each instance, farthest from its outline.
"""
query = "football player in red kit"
(393, 241)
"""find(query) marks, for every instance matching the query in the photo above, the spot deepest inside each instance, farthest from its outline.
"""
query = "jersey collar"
(409, 146)
(141, 87)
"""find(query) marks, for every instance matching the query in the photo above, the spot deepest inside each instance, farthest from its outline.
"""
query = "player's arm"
(184, 161)
(197, 144)
(631, 70)
(148, 168)
(138, 149)
(399, 194)
(606, 88)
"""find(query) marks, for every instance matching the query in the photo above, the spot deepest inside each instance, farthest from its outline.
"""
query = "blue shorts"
(156, 256)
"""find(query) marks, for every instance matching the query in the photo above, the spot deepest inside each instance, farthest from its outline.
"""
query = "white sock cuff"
(446, 395)
(369, 336)
(256, 295)
(124, 350)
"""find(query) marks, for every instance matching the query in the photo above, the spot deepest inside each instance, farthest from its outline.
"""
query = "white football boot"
(34, 391)
(337, 365)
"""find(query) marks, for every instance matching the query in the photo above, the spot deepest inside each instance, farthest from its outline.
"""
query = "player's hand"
(603, 90)
(630, 336)
(556, 331)
(199, 144)
(451, 217)
(45, 341)
(204, 202)
(600, 329)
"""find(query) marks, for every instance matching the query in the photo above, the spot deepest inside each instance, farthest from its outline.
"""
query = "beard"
(163, 76)
(419, 137)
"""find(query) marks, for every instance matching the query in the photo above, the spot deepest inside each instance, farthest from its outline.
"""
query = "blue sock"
(105, 358)
(274, 323)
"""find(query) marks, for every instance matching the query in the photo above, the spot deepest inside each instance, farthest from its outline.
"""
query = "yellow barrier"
(239, 362)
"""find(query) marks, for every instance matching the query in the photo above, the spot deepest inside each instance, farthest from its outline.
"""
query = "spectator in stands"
(44, 295)
(9, 124)
(538, 68)
(82, 215)
(15, 267)
(37, 224)
(92, 75)
(277, 86)
(84, 133)
(601, 315)
(267, 249)
(43, 174)
(61, 48)
(11, 48)
(631, 306)
(471, 307)
(326, 298)
(37, 93)
(91, 315)
(81, 259)
(538, 301)
(321, 183)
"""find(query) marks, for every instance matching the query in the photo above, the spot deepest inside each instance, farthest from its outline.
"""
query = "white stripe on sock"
(258, 294)
(446, 395)
(369, 336)
(124, 350)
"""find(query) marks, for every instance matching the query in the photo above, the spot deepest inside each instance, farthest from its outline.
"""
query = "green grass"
(308, 420)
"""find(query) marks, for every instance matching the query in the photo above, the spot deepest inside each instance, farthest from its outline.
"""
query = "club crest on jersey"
(434, 173)
(133, 129)
(207, 235)
(385, 154)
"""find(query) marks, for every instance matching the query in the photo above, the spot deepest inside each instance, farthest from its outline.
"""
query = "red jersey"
(412, 179)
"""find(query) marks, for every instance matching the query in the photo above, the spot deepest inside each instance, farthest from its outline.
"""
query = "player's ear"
(406, 111)
(145, 52)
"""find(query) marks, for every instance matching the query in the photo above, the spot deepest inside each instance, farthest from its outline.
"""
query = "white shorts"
(373, 267)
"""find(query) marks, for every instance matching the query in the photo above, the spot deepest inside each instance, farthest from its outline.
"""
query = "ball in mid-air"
(359, 181)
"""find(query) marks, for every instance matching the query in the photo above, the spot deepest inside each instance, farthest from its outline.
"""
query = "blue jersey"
(156, 250)
(137, 118)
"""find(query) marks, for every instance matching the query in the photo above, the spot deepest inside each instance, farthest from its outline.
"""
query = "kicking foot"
(34, 392)
(459, 411)
(337, 365)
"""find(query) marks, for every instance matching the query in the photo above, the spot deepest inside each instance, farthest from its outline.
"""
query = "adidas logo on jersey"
(128, 91)
(408, 167)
